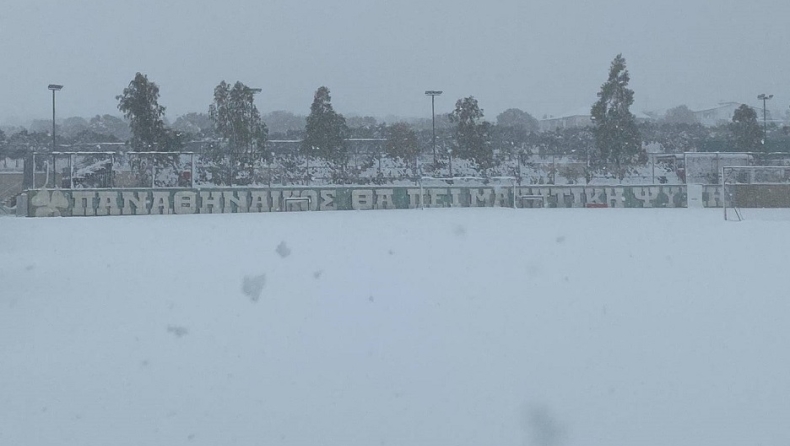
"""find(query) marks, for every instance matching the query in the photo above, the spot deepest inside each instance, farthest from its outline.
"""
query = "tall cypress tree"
(616, 134)
(326, 130)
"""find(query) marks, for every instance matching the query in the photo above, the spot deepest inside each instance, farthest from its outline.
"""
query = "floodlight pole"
(433, 94)
(765, 97)
(53, 88)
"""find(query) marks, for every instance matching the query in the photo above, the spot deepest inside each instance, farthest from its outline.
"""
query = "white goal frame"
(729, 177)
(467, 178)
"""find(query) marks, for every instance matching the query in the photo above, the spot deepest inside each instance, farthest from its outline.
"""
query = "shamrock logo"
(49, 204)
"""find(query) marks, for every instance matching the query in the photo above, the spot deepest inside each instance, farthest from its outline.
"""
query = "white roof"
(586, 111)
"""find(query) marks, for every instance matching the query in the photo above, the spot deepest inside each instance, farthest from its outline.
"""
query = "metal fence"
(108, 169)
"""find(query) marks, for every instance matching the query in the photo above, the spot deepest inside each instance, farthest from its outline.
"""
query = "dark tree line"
(235, 136)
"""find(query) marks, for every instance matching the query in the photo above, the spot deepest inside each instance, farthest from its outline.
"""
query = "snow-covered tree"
(614, 126)
(3, 143)
(110, 125)
(140, 106)
(402, 142)
(23, 142)
(325, 131)
(746, 133)
(72, 126)
(517, 118)
(680, 115)
(238, 122)
(472, 135)
(284, 123)
(198, 125)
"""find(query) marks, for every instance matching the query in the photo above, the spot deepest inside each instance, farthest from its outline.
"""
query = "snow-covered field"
(441, 327)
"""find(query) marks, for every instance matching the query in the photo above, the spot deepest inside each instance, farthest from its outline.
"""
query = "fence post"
(33, 162)
(653, 168)
(232, 168)
(518, 163)
(514, 193)
(71, 171)
(422, 201)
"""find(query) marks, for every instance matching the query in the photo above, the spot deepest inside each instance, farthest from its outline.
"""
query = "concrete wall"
(92, 202)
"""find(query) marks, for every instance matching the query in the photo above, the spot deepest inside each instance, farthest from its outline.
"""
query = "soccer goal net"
(467, 191)
(83, 170)
(756, 192)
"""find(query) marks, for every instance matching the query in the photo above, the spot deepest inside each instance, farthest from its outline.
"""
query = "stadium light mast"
(433, 94)
(765, 97)
(53, 88)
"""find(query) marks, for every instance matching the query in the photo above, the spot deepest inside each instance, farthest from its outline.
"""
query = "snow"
(436, 327)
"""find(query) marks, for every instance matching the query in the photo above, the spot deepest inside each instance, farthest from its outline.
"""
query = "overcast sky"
(379, 56)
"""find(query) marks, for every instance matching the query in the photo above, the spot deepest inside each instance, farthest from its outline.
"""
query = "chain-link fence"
(77, 170)
(705, 168)
(12, 176)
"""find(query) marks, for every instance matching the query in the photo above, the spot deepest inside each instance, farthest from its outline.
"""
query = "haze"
(378, 56)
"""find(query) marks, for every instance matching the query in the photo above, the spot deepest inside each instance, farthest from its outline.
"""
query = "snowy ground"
(440, 327)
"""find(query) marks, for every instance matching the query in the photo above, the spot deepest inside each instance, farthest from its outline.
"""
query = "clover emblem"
(49, 204)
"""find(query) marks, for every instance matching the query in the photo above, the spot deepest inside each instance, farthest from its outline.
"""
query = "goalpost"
(107, 170)
(756, 191)
(468, 181)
